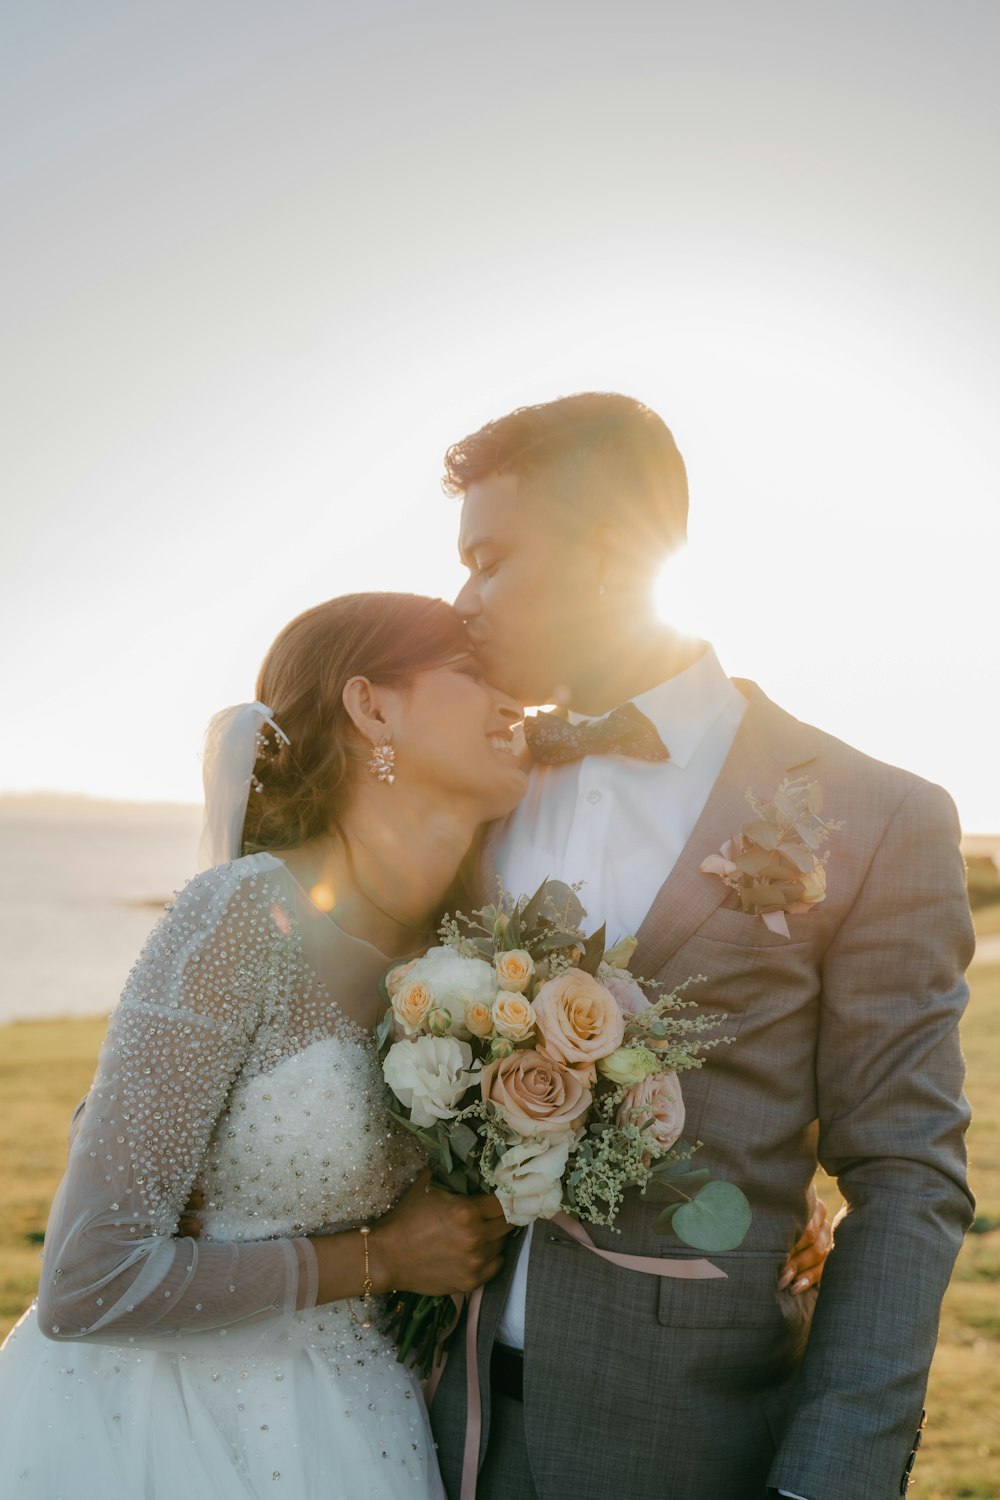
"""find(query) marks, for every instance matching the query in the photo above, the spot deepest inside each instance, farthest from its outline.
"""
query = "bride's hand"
(438, 1242)
(809, 1253)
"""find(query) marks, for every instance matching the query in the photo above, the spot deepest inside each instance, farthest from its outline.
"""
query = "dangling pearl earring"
(601, 591)
(382, 761)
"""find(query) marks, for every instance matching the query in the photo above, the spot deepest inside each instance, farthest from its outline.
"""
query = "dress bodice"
(307, 1146)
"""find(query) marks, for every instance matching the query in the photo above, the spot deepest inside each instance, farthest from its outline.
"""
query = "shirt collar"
(685, 707)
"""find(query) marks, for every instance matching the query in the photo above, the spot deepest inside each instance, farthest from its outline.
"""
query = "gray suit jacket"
(846, 1051)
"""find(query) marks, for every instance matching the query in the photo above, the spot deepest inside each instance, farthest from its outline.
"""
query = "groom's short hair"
(599, 452)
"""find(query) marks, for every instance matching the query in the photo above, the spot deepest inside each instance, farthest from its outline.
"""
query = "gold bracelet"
(367, 1286)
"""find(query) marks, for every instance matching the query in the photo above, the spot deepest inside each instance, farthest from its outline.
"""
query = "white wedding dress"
(239, 1061)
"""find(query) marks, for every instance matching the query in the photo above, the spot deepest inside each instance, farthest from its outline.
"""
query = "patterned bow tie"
(625, 731)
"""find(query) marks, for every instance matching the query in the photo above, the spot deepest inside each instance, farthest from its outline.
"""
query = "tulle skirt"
(307, 1407)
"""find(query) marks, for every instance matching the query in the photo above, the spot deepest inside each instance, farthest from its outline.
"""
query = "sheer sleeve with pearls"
(208, 982)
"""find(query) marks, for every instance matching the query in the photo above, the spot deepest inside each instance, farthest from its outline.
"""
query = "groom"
(598, 1381)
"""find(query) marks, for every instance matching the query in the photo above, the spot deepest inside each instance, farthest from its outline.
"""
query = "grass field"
(45, 1068)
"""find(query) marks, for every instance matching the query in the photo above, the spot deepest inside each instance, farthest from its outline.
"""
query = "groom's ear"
(625, 554)
(362, 703)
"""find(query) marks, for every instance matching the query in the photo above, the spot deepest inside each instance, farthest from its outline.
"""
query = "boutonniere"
(773, 863)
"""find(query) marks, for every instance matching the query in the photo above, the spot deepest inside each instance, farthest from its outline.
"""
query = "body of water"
(81, 885)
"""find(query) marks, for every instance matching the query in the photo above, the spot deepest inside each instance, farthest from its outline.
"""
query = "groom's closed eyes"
(481, 556)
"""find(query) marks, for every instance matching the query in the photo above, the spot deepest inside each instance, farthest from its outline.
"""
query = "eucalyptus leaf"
(593, 951)
(764, 897)
(566, 902)
(533, 910)
(463, 1140)
(763, 833)
(787, 806)
(681, 1189)
(382, 1030)
(752, 861)
(778, 871)
(802, 859)
(558, 938)
(383, 982)
(717, 1219)
(664, 1222)
(416, 1130)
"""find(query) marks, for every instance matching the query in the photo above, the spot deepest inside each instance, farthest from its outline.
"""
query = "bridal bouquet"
(530, 1063)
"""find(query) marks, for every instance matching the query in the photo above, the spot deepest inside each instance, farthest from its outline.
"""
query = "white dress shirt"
(619, 825)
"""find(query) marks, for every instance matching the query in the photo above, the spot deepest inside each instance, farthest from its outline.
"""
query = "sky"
(262, 264)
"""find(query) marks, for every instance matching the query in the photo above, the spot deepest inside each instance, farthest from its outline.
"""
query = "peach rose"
(479, 1019)
(514, 969)
(578, 1018)
(534, 1094)
(410, 1004)
(813, 889)
(658, 1102)
(513, 1016)
(395, 976)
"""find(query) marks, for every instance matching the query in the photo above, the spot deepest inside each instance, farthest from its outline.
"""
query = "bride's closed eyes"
(469, 667)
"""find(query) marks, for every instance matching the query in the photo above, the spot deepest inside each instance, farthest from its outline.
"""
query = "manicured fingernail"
(800, 1286)
(786, 1276)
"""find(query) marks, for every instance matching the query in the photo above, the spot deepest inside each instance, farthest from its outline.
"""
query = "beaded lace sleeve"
(182, 1031)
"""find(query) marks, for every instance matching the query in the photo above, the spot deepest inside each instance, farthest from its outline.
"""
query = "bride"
(239, 1065)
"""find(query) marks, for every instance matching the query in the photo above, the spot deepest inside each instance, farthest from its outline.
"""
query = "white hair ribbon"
(231, 749)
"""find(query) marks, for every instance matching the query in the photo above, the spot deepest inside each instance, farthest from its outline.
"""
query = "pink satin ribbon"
(776, 921)
(649, 1265)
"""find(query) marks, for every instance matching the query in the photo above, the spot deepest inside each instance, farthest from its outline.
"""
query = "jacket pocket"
(748, 1298)
(738, 929)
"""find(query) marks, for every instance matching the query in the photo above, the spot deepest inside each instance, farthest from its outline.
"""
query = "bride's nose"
(509, 709)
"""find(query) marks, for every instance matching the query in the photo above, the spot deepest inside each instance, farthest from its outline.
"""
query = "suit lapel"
(769, 744)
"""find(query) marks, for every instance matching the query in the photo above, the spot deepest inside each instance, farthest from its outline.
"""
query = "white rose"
(529, 1178)
(450, 983)
(456, 983)
(428, 1076)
